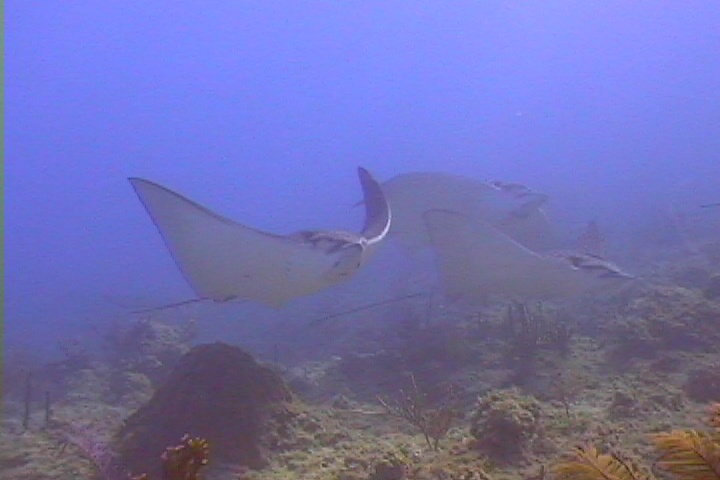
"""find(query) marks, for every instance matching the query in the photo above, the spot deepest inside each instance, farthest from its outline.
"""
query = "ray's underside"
(225, 260)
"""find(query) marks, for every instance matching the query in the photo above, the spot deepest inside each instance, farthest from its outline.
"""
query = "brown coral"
(685, 454)
(692, 455)
(589, 464)
(689, 455)
(184, 461)
(217, 392)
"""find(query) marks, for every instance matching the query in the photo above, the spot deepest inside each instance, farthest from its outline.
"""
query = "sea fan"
(689, 455)
(589, 464)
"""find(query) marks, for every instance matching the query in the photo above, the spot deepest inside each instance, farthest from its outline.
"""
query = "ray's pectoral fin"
(452, 245)
(453, 233)
(222, 259)
(225, 260)
(477, 260)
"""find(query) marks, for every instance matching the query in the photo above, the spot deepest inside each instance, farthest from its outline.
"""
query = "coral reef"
(217, 392)
(712, 288)
(433, 352)
(662, 340)
(390, 467)
(529, 328)
(149, 347)
(691, 454)
(703, 384)
(433, 423)
(504, 423)
(184, 461)
(685, 454)
(623, 405)
(589, 464)
(665, 318)
(92, 445)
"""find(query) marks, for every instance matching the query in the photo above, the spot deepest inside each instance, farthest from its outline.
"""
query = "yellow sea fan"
(589, 464)
(689, 455)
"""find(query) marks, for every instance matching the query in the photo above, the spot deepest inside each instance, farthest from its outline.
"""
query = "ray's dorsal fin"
(377, 209)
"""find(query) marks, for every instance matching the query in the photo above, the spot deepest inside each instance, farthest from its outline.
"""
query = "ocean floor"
(503, 393)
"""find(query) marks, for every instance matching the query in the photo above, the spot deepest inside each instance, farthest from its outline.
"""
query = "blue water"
(263, 110)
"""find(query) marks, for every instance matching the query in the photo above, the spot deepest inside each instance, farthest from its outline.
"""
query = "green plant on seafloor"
(683, 454)
(184, 461)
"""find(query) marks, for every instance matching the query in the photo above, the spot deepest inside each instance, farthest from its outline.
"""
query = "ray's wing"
(512, 208)
(412, 194)
(478, 261)
(533, 231)
(223, 259)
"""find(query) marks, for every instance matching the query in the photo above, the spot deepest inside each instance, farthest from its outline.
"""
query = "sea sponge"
(703, 384)
(504, 422)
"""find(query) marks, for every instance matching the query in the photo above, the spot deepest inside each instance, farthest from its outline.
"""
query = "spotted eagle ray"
(479, 262)
(224, 260)
(510, 207)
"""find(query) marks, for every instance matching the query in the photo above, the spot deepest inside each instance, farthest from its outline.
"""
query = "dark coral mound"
(217, 392)
(703, 384)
